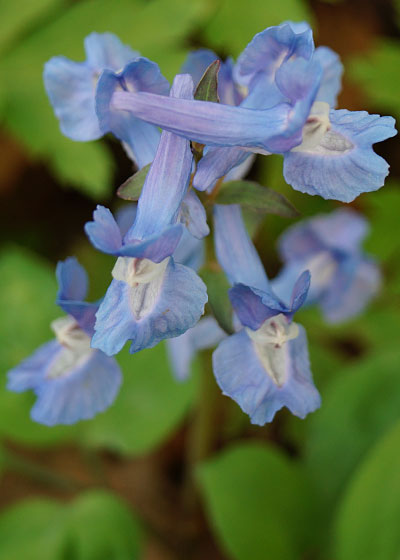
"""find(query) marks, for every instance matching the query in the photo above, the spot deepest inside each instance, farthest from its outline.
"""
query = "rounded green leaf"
(259, 503)
(358, 406)
(368, 520)
(95, 526)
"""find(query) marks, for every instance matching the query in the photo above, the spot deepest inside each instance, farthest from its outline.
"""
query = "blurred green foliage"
(95, 526)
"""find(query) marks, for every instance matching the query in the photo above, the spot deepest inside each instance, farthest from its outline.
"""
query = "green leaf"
(17, 19)
(236, 22)
(27, 294)
(358, 406)
(378, 68)
(101, 527)
(150, 406)
(368, 521)
(207, 88)
(31, 530)
(218, 299)
(131, 189)
(259, 503)
(252, 195)
(95, 526)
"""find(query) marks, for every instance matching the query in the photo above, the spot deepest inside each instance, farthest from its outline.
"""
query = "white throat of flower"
(322, 267)
(318, 137)
(75, 346)
(145, 279)
(270, 344)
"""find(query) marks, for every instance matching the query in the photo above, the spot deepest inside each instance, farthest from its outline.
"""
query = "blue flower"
(80, 93)
(336, 159)
(343, 278)
(151, 297)
(71, 85)
(287, 109)
(139, 138)
(71, 380)
(265, 365)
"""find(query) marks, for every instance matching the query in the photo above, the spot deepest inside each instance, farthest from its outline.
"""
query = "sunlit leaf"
(131, 189)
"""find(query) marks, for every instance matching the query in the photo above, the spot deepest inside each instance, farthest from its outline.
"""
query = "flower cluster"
(279, 97)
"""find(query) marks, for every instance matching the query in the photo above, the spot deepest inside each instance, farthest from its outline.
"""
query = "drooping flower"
(71, 86)
(109, 65)
(343, 278)
(151, 297)
(71, 380)
(265, 365)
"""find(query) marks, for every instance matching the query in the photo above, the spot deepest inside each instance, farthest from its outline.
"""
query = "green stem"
(203, 431)
(36, 472)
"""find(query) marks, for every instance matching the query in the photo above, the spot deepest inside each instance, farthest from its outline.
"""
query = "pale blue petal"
(29, 374)
(71, 87)
(332, 75)
(242, 377)
(197, 62)
(142, 138)
(105, 50)
(182, 349)
(156, 247)
(177, 307)
(241, 170)
(353, 286)
(214, 124)
(344, 164)
(228, 90)
(342, 229)
(299, 81)
(81, 394)
(105, 235)
(235, 251)
(272, 47)
(168, 178)
(193, 215)
(250, 308)
(72, 280)
(104, 232)
(190, 251)
(300, 291)
(254, 306)
(282, 284)
(125, 217)
(73, 285)
(216, 163)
